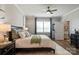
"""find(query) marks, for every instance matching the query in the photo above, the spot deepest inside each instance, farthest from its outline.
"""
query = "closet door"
(59, 31)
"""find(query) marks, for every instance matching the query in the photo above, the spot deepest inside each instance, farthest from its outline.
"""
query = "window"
(39, 26)
(46, 26)
(43, 25)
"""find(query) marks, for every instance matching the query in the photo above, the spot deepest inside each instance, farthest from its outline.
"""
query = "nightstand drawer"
(8, 49)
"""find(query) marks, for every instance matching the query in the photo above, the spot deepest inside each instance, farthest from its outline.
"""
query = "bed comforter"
(46, 42)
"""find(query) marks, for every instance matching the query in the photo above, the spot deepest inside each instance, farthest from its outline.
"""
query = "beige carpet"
(66, 45)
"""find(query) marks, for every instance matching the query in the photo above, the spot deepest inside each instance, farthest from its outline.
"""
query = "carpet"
(66, 45)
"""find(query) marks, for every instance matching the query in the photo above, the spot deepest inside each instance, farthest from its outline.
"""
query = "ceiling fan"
(50, 11)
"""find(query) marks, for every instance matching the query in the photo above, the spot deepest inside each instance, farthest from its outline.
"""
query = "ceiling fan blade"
(54, 10)
(51, 12)
(48, 7)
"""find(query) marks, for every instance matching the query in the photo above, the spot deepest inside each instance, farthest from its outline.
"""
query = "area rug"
(66, 45)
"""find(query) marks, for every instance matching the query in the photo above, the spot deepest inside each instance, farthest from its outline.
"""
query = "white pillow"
(27, 34)
(22, 34)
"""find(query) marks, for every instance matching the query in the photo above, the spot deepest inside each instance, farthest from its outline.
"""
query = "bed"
(46, 43)
(27, 44)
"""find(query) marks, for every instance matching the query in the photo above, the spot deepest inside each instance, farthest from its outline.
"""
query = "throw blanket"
(36, 39)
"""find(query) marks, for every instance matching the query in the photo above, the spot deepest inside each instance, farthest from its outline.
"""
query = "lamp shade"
(2, 16)
(5, 27)
(25, 28)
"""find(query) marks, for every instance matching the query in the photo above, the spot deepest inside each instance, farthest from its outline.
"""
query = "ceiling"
(40, 9)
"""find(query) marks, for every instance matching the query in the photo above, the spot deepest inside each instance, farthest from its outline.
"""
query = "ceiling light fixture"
(50, 11)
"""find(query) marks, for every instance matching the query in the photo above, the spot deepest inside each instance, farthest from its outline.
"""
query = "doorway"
(66, 30)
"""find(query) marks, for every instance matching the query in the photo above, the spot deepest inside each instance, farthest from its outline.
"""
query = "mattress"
(26, 42)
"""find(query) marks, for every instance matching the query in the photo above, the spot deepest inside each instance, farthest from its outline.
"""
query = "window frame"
(43, 20)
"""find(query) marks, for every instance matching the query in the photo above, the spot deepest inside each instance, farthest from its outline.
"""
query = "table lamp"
(3, 29)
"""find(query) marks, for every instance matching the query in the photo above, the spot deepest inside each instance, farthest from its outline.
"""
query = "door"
(59, 31)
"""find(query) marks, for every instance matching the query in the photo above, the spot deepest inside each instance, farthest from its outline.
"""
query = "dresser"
(75, 40)
(8, 49)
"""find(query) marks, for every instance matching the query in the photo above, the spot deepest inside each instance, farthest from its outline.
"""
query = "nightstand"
(8, 49)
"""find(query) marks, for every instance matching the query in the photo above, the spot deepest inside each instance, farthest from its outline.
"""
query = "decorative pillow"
(15, 34)
(27, 34)
(22, 34)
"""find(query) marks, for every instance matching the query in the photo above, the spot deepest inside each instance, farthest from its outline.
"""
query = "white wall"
(74, 20)
(2, 14)
(14, 16)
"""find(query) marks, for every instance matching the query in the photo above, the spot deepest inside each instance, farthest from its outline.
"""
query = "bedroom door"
(59, 31)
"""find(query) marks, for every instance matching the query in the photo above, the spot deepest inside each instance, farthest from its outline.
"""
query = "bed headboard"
(16, 28)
